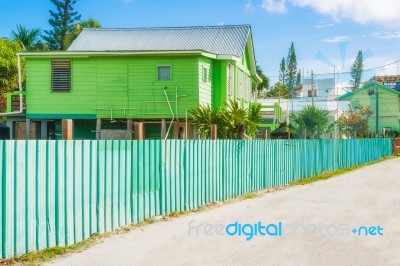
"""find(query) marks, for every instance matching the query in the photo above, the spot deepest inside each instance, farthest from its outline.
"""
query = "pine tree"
(62, 21)
(298, 78)
(282, 71)
(291, 70)
(357, 71)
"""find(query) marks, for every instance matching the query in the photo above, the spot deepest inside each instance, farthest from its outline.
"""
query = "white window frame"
(205, 74)
(56, 75)
(170, 72)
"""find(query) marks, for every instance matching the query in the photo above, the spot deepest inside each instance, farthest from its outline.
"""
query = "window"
(164, 73)
(61, 75)
(205, 74)
(230, 80)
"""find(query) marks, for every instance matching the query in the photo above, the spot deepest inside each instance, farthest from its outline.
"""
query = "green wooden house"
(111, 78)
(383, 101)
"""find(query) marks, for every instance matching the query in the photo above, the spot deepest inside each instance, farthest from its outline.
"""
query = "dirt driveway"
(352, 219)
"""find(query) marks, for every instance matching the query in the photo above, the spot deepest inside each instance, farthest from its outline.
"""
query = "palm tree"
(314, 120)
(203, 116)
(28, 38)
(78, 27)
(233, 123)
(265, 81)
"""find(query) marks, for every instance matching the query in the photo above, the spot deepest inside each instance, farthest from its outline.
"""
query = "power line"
(364, 70)
(347, 72)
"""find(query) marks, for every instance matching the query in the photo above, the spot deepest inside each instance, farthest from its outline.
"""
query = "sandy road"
(307, 225)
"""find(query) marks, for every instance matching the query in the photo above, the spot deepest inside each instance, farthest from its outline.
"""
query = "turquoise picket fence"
(57, 193)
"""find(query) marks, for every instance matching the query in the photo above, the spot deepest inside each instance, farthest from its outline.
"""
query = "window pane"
(164, 73)
(205, 74)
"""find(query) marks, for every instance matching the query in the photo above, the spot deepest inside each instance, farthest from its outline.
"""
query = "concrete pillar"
(28, 129)
(43, 129)
(265, 134)
(214, 131)
(129, 127)
(67, 129)
(163, 129)
(139, 131)
(304, 133)
(98, 128)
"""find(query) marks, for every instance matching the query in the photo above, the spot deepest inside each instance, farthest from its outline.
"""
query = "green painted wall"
(389, 108)
(127, 86)
(100, 84)
(219, 82)
(205, 86)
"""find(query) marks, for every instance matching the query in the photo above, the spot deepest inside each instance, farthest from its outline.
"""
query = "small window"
(205, 74)
(164, 73)
(61, 75)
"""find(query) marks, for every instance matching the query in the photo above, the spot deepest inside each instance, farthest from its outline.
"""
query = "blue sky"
(326, 34)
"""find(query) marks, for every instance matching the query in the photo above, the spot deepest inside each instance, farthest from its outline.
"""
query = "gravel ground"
(308, 225)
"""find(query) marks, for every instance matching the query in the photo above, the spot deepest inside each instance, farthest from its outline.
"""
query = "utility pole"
(312, 87)
(377, 109)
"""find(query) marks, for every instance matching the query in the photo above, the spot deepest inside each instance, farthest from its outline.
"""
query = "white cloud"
(221, 23)
(383, 12)
(337, 39)
(386, 35)
(274, 6)
(323, 25)
(249, 7)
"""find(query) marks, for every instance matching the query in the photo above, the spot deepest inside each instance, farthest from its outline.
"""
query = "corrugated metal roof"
(219, 40)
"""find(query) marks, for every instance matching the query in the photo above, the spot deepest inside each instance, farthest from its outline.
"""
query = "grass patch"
(176, 214)
(34, 257)
(327, 175)
(249, 196)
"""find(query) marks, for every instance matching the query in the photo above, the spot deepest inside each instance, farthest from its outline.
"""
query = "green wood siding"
(126, 85)
(205, 88)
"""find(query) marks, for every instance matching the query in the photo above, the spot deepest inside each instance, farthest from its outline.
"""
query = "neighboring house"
(390, 81)
(290, 106)
(321, 89)
(383, 101)
(109, 78)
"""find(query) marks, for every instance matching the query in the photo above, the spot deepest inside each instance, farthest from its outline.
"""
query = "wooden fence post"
(214, 131)
(139, 131)
(67, 129)
(265, 134)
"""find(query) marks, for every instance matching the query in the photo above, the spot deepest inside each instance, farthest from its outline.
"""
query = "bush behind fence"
(57, 193)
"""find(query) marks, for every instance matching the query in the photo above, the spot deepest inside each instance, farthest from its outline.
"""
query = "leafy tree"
(62, 22)
(357, 71)
(28, 38)
(8, 68)
(277, 91)
(282, 71)
(265, 81)
(291, 70)
(314, 120)
(78, 27)
(355, 123)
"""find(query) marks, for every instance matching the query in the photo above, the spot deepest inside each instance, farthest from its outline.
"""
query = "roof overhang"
(84, 54)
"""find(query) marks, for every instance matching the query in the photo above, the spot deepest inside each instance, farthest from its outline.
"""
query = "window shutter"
(61, 75)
